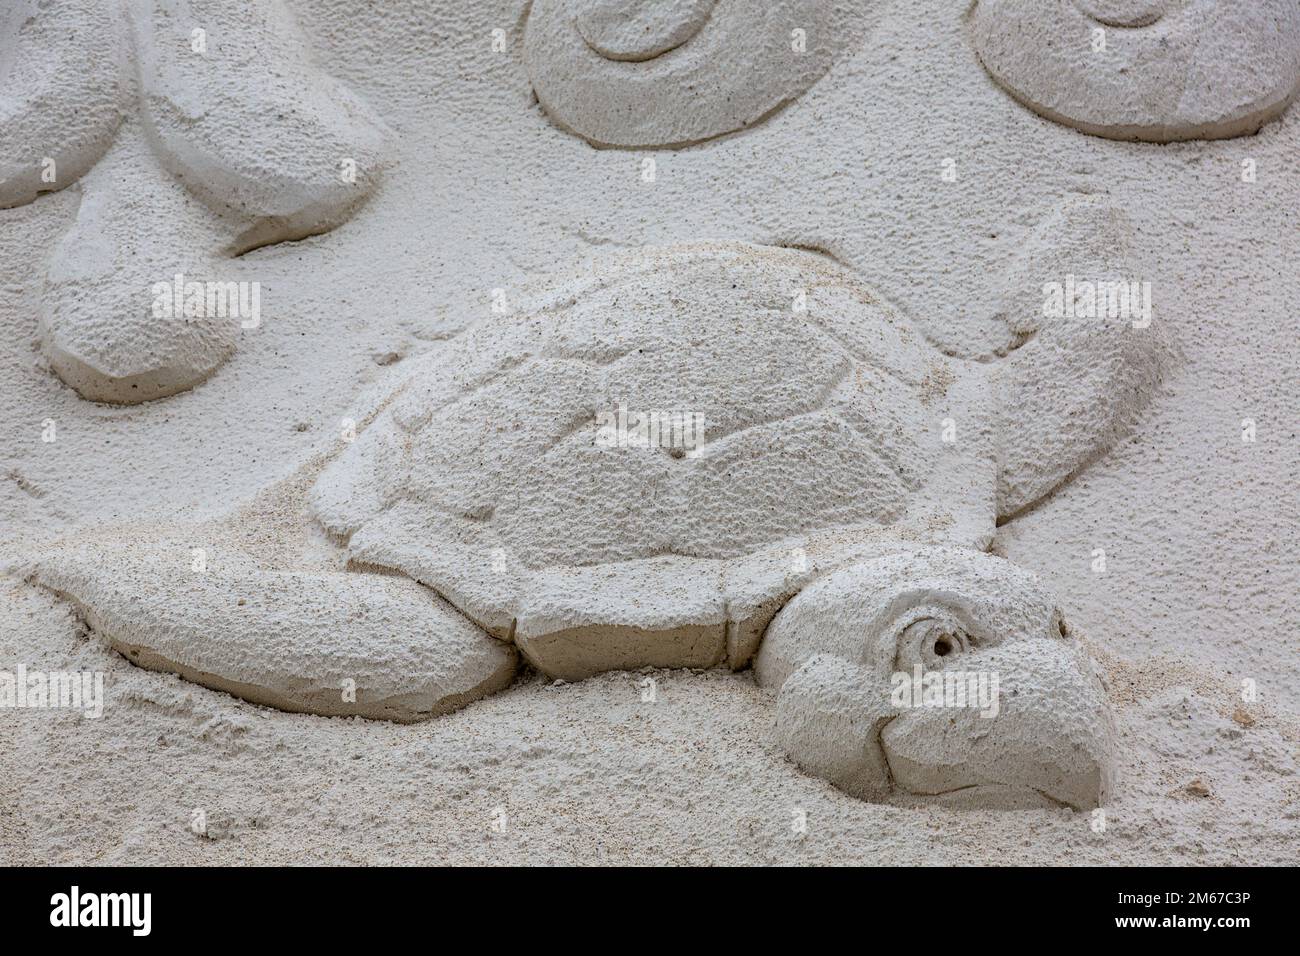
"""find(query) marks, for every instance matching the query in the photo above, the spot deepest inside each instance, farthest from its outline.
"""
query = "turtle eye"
(932, 642)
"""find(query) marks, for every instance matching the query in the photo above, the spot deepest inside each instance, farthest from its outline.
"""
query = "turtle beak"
(942, 674)
(1030, 728)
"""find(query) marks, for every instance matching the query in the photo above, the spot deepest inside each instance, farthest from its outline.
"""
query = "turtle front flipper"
(1090, 352)
(319, 642)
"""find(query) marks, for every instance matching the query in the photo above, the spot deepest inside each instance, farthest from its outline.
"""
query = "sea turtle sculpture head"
(692, 456)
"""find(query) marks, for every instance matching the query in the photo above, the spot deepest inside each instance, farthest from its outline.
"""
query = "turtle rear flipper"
(328, 643)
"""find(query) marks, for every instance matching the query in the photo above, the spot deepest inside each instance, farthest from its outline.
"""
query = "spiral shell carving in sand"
(1150, 70)
(638, 73)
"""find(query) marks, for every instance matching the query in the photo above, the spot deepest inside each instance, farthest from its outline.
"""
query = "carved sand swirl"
(1151, 70)
(640, 73)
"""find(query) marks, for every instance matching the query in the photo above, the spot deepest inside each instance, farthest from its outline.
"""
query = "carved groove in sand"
(642, 73)
(234, 112)
(1170, 70)
(824, 531)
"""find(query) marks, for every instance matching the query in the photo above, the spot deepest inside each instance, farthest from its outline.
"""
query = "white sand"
(1202, 587)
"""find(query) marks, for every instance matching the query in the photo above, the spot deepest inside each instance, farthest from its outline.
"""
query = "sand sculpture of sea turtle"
(828, 525)
(233, 111)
